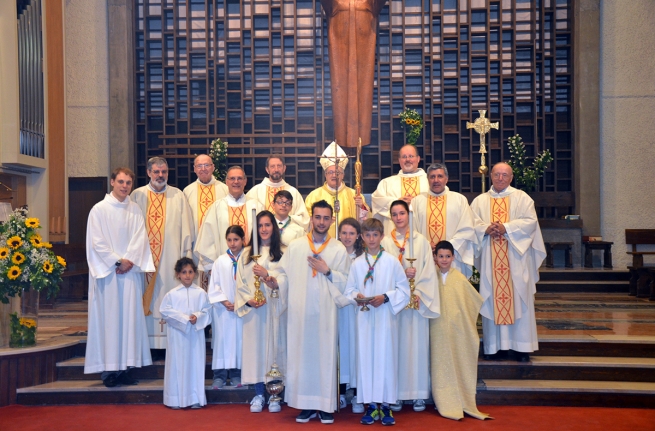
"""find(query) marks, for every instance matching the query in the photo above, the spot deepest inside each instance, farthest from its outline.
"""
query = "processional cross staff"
(482, 125)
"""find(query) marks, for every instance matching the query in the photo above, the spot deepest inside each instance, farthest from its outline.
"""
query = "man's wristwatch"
(328, 273)
(118, 262)
(386, 298)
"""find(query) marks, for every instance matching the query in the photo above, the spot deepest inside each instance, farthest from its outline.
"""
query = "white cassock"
(312, 329)
(263, 193)
(177, 242)
(391, 189)
(117, 336)
(263, 325)
(377, 329)
(348, 340)
(413, 325)
(459, 229)
(184, 375)
(227, 327)
(289, 231)
(211, 241)
(526, 253)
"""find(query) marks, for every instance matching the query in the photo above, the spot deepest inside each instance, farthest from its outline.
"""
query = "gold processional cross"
(482, 125)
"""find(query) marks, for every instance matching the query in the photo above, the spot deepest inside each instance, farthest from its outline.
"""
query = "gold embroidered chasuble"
(410, 186)
(238, 216)
(436, 218)
(155, 222)
(503, 289)
(206, 197)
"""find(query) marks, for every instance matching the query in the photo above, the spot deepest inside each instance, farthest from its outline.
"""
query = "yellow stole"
(270, 194)
(206, 198)
(237, 216)
(410, 186)
(503, 289)
(155, 223)
(436, 218)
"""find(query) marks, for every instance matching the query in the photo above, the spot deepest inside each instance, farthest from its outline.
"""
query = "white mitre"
(328, 156)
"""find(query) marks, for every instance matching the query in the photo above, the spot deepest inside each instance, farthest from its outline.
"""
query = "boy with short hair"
(454, 340)
(289, 229)
(377, 275)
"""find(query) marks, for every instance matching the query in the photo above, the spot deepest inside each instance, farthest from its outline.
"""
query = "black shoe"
(111, 381)
(305, 416)
(325, 417)
(500, 355)
(124, 378)
(522, 356)
(158, 354)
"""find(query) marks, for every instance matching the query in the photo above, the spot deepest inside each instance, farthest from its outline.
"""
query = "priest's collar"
(212, 181)
(333, 190)
(509, 190)
(417, 173)
(267, 182)
(445, 190)
(232, 200)
(152, 189)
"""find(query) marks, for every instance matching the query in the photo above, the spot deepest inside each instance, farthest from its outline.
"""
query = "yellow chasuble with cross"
(436, 218)
(155, 222)
(206, 197)
(503, 289)
(238, 217)
(410, 186)
(270, 194)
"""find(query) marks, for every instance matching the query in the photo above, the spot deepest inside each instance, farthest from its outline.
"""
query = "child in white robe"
(227, 327)
(186, 310)
(377, 280)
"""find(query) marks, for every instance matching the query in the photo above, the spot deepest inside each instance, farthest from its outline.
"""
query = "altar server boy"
(187, 311)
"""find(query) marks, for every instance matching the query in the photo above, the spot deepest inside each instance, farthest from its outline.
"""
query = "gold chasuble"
(206, 197)
(238, 217)
(410, 186)
(436, 218)
(503, 290)
(270, 194)
(155, 222)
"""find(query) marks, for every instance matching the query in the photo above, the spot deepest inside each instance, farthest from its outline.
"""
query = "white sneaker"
(274, 407)
(342, 402)
(357, 407)
(196, 406)
(256, 404)
(419, 405)
(218, 383)
(398, 406)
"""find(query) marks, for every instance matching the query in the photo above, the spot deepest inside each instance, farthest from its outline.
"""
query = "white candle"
(255, 246)
(411, 234)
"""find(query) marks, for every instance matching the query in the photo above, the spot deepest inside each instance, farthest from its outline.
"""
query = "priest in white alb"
(234, 209)
(443, 215)
(510, 253)
(118, 254)
(350, 204)
(409, 183)
(316, 266)
(264, 192)
(169, 225)
(201, 194)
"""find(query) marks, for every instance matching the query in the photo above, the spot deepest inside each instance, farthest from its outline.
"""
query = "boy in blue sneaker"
(377, 280)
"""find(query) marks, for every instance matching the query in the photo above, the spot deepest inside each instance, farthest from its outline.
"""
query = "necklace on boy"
(371, 268)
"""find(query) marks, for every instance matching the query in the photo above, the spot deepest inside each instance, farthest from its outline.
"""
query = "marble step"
(148, 391)
(596, 286)
(583, 274)
(590, 368)
(570, 393)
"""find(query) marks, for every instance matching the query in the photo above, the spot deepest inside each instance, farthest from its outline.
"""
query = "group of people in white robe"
(278, 291)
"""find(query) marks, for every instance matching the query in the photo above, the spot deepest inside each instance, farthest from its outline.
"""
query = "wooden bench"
(590, 246)
(552, 246)
(641, 277)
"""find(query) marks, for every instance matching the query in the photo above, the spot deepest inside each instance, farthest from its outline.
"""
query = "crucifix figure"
(482, 125)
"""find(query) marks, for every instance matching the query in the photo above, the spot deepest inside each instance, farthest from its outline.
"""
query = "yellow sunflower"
(14, 242)
(46, 245)
(13, 273)
(18, 258)
(61, 261)
(4, 253)
(36, 240)
(47, 266)
(32, 222)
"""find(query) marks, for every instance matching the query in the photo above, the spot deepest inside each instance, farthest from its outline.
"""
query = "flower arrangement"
(23, 331)
(410, 119)
(526, 177)
(26, 261)
(218, 153)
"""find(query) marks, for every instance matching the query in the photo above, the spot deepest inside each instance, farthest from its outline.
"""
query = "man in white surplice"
(443, 215)
(264, 192)
(118, 254)
(169, 226)
(409, 183)
(201, 194)
(510, 253)
(313, 293)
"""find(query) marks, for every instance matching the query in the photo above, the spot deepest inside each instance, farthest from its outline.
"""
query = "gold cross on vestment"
(482, 125)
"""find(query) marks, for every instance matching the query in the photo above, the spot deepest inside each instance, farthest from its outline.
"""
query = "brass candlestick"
(259, 296)
(413, 299)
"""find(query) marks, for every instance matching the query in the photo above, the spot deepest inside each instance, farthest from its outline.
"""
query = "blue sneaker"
(387, 416)
(372, 414)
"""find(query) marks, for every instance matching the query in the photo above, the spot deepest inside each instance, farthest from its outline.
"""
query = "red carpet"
(238, 417)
